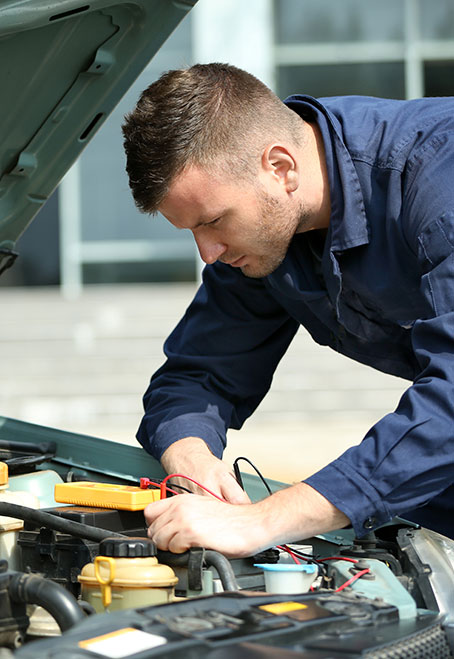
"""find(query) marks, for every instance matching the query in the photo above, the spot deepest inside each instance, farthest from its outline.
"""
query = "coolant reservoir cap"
(127, 547)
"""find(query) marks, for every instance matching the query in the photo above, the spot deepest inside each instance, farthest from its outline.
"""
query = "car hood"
(65, 65)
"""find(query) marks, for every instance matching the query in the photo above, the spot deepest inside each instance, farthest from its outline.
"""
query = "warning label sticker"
(122, 643)
(278, 608)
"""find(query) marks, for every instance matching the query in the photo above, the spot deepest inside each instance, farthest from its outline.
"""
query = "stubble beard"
(278, 224)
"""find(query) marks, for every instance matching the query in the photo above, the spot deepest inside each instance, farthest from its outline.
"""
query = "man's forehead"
(196, 175)
(195, 197)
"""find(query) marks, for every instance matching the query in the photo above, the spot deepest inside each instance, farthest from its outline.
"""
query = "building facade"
(90, 230)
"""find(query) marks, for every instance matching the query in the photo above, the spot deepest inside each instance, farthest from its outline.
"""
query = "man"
(337, 215)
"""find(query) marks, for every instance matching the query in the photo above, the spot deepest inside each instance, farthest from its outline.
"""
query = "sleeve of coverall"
(220, 362)
(407, 458)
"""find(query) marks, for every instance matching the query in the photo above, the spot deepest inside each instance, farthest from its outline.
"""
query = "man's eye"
(215, 221)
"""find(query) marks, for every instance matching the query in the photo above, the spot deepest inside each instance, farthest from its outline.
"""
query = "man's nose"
(210, 250)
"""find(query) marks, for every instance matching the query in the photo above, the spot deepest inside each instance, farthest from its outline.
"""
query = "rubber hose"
(214, 558)
(32, 589)
(223, 567)
(41, 518)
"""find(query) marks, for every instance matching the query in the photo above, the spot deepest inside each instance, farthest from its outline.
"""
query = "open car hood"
(65, 65)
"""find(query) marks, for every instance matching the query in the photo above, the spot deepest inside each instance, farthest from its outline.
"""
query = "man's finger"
(231, 491)
(153, 510)
(234, 494)
(162, 537)
(178, 544)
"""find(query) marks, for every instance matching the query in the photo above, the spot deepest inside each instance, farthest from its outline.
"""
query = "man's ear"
(279, 163)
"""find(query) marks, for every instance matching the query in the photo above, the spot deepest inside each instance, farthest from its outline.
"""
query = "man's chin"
(259, 271)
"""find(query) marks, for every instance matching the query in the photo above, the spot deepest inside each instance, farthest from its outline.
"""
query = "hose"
(32, 589)
(223, 567)
(211, 557)
(41, 518)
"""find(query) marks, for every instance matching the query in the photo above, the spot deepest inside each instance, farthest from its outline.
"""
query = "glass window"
(437, 19)
(386, 79)
(439, 78)
(306, 21)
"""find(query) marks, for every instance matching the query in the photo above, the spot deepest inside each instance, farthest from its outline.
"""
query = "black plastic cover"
(129, 522)
(127, 547)
(313, 625)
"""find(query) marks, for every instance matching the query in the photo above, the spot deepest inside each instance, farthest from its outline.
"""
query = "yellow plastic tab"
(105, 495)
(278, 608)
(106, 591)
(3, 473)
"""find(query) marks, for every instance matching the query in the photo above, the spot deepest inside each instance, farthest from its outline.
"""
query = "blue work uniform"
(381, 291)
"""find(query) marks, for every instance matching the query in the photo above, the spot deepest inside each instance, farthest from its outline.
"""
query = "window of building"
(394, 48)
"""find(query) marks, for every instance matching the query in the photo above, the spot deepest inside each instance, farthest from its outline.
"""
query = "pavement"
(83, 365)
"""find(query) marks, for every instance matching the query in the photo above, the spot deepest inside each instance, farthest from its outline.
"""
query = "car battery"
(61, 556)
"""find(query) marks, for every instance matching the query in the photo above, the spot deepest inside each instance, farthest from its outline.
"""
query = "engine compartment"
(81, 581)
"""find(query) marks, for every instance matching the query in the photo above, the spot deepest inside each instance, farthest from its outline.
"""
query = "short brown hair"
(202, 115)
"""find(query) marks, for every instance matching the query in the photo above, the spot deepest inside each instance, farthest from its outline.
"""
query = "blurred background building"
(92, 347)
(90, 231)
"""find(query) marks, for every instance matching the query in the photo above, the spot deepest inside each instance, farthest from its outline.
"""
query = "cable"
(350, 581)
(289, 552)
(157, 483)
(186, 490)
(41, 518)
(146, 482)
(236, 471)
(164, 481)
(306, 557)
(337, 558)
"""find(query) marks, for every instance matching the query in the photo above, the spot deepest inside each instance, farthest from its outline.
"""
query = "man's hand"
(185, 521)
(191, 520)
(192, 457)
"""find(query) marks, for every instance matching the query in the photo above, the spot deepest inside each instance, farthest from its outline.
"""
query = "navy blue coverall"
(380, 292)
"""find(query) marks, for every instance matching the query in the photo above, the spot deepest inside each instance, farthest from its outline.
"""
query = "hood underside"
(65, 65)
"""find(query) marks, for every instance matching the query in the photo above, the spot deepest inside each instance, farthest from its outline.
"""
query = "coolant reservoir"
(126, 575)
(10, 526)
(40, 483)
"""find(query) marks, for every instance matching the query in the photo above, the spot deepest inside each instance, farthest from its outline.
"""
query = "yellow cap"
(3, 473)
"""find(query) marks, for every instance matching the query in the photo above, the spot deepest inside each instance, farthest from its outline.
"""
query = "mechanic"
(335, 214)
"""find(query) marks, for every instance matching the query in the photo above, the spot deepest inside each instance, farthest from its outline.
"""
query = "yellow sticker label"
(118, 632)
(278, 608)
(122, 643)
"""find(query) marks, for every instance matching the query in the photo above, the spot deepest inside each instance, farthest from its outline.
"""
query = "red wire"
(163, 485)
(350, 581)
(289, 552)
(157, 485)
(337, 558)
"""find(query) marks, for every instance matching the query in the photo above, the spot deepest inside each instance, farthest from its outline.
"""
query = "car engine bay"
(84, 580)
